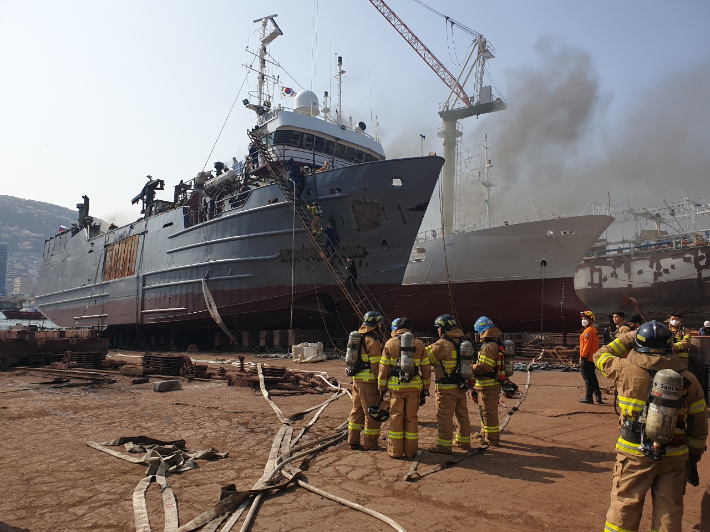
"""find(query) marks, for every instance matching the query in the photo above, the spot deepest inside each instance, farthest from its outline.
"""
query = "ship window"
(359, 156)
(385, 245)
(318, 144)
(396, 182)
(269, 140)
(339, 150)
(307, 141)
(295, 138)
(328, 147)
(369, 158)
(282, 137)
(418, 255)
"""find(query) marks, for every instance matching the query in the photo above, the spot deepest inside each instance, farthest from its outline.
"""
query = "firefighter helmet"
(446, 322)
(483, 324)
(372, 318)
(395, 324)
(655, 338)
(587, 314)
(401, 323)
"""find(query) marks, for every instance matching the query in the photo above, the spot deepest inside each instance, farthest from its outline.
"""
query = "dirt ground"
(552, 471)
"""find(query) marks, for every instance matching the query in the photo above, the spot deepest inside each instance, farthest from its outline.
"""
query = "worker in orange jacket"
(588, 345)
(642, 463)
(403, 436)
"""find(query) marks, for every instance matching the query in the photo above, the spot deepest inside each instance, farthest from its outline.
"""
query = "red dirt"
(553, 471)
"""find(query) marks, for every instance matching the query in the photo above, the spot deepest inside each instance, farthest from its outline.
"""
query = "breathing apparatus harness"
(498, 372)
(405, 374)
(659, 415)
(360, 364)
(455, 376)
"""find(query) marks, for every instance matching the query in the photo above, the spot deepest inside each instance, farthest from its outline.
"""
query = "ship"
(521, 275)
(27, 312)
(229, 247)
(656, 271)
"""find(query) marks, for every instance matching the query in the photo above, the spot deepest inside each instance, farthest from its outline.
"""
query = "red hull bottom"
(513, 305)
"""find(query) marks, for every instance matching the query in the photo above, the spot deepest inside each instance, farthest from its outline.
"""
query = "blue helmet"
(395, 322)
(483, 324)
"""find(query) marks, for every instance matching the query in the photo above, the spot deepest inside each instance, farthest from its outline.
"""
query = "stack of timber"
(22, 346)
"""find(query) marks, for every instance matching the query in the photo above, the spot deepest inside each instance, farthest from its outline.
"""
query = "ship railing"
(359, 296)
(680, 241)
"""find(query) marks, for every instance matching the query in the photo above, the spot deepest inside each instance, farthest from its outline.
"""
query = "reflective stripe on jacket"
(370, 352)
(681, 341)
(443, 352)
(619, 347)
(485, 370)
(390, 358)
(631, 377)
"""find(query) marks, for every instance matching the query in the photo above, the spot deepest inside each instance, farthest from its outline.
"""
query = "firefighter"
(314, 209)
(620, 325)
(364, 375)
(444, 355)
(588, 345)
(486, 383)
(654, 450)
(681, 342)
(400, 368)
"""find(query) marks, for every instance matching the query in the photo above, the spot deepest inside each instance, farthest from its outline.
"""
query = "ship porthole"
(543, 263)
(396, 181)
(549, 233)
(385, 245)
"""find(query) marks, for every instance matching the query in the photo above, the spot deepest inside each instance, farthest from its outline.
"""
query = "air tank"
(352, 353)
(406, 357)
(662, 412)
(466, 360)
(509, 358)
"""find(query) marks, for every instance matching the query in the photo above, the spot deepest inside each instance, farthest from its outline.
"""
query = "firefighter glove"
(692, 474)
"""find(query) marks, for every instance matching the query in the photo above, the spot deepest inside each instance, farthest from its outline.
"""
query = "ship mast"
(486, 181)
(340, 89)
(265, 40)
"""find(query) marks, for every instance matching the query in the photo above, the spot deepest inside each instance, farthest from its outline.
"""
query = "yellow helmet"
(587, 313)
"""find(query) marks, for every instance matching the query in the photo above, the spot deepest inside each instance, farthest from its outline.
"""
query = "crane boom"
(448, 19)
(429, 58)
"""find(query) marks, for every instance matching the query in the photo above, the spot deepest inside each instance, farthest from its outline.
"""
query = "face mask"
(585, 323)
(675, 323)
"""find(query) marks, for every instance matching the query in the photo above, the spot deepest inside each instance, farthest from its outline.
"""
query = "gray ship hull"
(149, 273)
(660, 280)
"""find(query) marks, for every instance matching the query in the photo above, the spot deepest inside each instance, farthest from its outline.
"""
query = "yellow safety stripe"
(372, 432)
(608, 527)
(628, 447)
(463, 439)
(430, 353)
(491, 429)
(446, 386)
(602, 360)
(365, 376)
(421, 361)
(676, 451)
(618, 347)
(388, 361)
(486, 382)
(355, 426)
(382, 382)
(682, 354)
(395, 435)
(395, 385)
(486, 360)
(443, 443)
(374, 360)
(695, 443)
(411, 435)
(448, 365)
(631, 407)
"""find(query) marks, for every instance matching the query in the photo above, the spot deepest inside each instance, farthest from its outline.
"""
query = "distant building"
(3, 267)
(23, 285)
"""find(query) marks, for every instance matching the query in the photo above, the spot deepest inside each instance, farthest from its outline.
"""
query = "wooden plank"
(132, 260)
(107, 262)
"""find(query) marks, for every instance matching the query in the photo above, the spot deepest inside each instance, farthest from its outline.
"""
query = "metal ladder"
(362, 300)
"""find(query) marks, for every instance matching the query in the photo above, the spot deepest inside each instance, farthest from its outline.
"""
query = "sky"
(606, 100)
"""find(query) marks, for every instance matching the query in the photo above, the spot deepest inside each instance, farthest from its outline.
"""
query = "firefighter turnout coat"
(635, 473)
(451, 400)
(403, 436)
(365, 393)
(487, 385)
(682, 341)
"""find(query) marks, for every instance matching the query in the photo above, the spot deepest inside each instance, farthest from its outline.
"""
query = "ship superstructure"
(660, 269)
(232, 238)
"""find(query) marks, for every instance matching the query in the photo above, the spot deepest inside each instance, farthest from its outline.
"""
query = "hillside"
(24, 224)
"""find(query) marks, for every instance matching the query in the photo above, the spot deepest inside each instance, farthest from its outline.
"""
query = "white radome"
(306, 103)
